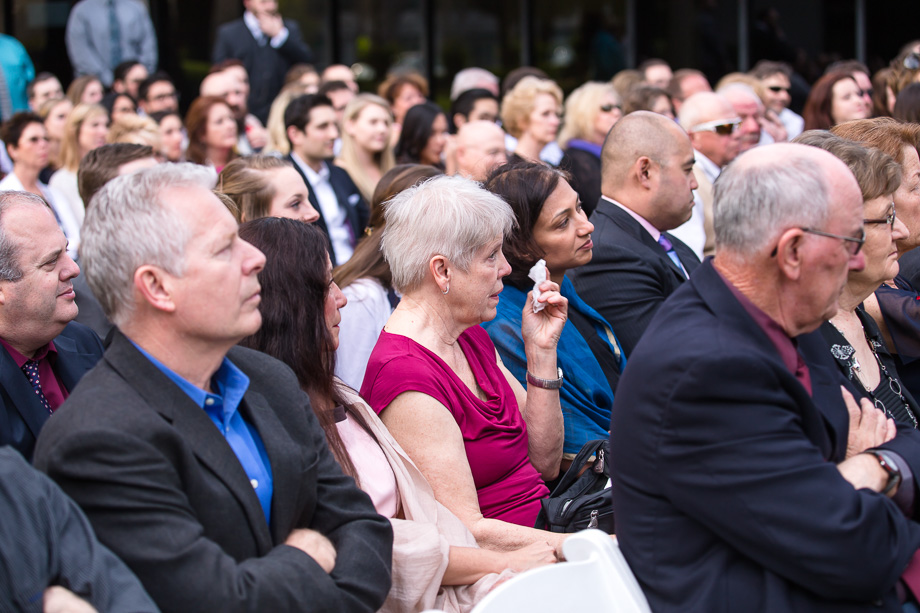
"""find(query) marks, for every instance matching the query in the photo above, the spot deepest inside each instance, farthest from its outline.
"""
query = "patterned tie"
(30, 368)
(114, 35)
(669, 249)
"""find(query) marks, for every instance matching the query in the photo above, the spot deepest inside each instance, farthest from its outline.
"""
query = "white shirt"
(793, 122)
(363, 317)
(652, 230)
(253, 24)
(333, 214)
(69, 224)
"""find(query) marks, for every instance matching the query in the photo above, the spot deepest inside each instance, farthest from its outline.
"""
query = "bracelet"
(547, 384)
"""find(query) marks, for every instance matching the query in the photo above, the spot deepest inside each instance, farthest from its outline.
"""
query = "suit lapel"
(626, 222)
(71, 363)
(285, 459)
(21, 394)
(208, 444)
(321, 222)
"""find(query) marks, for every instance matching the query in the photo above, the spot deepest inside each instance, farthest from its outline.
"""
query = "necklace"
(847, 354)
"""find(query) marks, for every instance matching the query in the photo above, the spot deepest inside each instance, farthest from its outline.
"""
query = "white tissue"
(538, 275)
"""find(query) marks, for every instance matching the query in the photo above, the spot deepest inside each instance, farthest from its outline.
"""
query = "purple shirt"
(52, 388)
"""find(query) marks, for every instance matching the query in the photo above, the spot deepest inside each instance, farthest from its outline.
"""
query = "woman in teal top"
(552, 226)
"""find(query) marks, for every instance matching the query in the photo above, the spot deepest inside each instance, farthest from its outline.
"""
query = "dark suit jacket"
(166, 493)
(349, 198)
(630, 275)
(725, 487)
(45, 540)
(265, 64)
(21, 414)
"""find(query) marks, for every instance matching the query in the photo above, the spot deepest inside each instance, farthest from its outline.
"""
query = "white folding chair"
(594, 577)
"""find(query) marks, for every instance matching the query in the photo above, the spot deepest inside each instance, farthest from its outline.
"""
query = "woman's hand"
(532, 556)
(543, 329)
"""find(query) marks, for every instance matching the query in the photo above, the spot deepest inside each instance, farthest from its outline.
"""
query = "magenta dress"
(494, 432)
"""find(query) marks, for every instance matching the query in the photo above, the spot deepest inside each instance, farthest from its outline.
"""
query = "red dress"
(494, 432)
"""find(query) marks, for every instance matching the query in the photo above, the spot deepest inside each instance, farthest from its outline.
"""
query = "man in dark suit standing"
(746, 477)
(44, 353)
(311, 126)
(267, 45)
(199, 463)
(647, 184)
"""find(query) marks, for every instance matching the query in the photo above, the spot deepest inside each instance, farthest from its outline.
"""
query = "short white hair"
(128, 225)
(472, 78)
(446, 215)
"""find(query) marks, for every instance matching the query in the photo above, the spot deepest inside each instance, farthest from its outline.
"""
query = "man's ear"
(440, 269)
(789, 253)
(643, 170)
(156, 287)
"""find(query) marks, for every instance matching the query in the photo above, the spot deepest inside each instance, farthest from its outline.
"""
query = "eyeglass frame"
(850, 239)
(888, 219)
(712, 126)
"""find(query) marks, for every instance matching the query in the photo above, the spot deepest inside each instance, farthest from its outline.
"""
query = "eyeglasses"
(912, 61)
(850, 239)
(165, 97)
(777, 89)
(606, 108)
(722, 127)
(888, 219)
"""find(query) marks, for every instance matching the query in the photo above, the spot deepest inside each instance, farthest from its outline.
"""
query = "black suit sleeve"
(294, 50)
(222, 44)
(46, 540)
(134, 495)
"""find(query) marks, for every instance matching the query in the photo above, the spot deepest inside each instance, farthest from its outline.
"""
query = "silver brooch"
(842, 352)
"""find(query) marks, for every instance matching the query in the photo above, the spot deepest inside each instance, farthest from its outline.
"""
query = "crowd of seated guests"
(398, 240)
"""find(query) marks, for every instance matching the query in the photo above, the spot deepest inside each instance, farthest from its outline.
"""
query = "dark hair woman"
(552, 226)
(834, 98)
(423, 136)
(300, 326)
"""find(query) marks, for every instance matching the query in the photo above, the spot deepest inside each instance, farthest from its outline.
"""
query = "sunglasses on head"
(912, 61)
(722, 127)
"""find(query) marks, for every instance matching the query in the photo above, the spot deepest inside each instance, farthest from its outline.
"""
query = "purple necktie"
(669, 249)
(30, 368)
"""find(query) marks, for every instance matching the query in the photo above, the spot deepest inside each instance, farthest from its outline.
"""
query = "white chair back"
(594, 577)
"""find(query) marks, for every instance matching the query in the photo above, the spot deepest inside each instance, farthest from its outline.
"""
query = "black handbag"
(581, 499)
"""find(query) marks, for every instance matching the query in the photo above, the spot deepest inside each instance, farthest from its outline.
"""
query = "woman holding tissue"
(552, 226)
(483, 442)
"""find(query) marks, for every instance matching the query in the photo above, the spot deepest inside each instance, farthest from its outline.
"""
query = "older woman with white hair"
(590, 112)
(482, 441)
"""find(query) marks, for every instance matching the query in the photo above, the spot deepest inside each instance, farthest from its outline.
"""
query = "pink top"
(494, 432)
(374, 472)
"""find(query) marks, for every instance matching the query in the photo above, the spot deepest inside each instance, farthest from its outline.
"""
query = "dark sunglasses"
(722, 127)
(777, 89)
(609, 107)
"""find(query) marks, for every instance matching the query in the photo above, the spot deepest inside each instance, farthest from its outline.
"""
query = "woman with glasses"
(852, 336)
(590, 112)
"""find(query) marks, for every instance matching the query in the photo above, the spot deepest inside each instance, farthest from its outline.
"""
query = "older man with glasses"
(711, 122)
(745, 477)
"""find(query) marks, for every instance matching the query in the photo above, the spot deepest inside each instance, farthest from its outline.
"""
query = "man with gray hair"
(44, 352)
(750, 109)
(199, 463)
(647, 188)
(746, 475)
(711, 123)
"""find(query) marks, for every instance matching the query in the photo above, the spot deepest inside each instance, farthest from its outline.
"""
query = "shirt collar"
(20, 359)
(655, 232)
(313, 176)
(252, 23)
(710, 168)
(230, 382)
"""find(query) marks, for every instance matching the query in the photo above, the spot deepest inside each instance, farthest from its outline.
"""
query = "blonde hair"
(277, 134)
(519, 103)
(247, 183)
(745, 79)
(70, 144)
(581, 108)
(135, 130)
(348, 157)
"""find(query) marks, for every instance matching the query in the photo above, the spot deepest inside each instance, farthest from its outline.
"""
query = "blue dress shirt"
(243, 438)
